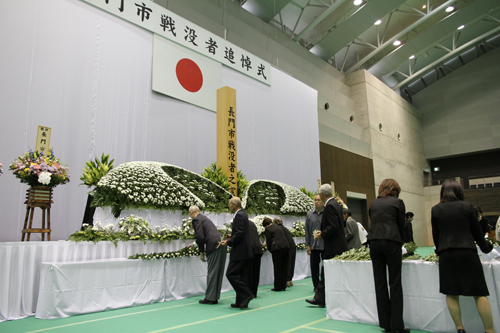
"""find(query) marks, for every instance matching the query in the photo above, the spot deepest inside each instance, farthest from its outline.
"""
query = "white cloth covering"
(350, 295)
(68, 289)
(21, 263)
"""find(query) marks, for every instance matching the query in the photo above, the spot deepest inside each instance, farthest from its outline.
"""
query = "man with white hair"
(241, 252)
(208, 237)
(333, 235)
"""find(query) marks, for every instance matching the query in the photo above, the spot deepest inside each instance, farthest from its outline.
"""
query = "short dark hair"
(267, 221)
(389, 187)
(451, 191)
(346, 211)
(409, 215)
(478, 210)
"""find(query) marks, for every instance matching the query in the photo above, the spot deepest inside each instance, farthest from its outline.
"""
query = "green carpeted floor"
(269, 312)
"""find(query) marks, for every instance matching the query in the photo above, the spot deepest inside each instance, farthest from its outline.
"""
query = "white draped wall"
(87, 75)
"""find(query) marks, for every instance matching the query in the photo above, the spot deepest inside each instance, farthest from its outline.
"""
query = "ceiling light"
(412, 56)
(461, 27)
(450, 9)
(397, 42)
(377, 22)
(358, 2)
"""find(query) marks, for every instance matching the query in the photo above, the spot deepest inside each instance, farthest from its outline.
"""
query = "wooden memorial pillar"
(226, 136)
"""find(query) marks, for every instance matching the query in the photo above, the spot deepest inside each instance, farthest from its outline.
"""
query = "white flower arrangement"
(142, 185)
(266, 194)
(298, 229)
(134, 227)
(187, 252)
(258, 223)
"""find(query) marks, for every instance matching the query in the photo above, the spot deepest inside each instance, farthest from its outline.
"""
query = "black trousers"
(280, 264)
(292, 254)
(315, 261)
(237, 277)
(319, 296)
(253, 273)
(386, 255)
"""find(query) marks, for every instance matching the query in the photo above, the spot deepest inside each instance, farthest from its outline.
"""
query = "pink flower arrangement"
(1, 168)
(39, 169)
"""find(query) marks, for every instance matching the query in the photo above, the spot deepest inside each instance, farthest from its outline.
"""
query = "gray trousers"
(216, 263)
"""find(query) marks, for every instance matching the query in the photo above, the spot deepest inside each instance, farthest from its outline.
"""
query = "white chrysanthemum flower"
(44, 178)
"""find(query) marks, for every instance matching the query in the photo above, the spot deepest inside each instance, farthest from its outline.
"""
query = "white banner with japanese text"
(163, 22)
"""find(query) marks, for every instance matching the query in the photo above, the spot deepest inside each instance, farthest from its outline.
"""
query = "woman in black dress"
(387, 229)
(454, 229)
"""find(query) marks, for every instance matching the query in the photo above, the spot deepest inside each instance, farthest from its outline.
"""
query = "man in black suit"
(253, 265)
(206, 233)
(241, 252)
(333, 235)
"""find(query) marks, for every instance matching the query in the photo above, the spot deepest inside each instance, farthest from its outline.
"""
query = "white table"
(350, 296)
(72, 288)
(20, 264)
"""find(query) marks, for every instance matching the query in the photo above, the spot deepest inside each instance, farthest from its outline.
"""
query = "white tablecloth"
(350, 296)
(20, 265)
(68, 289)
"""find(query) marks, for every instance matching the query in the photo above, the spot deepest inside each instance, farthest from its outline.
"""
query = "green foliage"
(95, 170)
(242, 182)
(215, 174)
(431, 258)
(215, 197)
(95, 234)
(264, 198)
(410, 249)
(361, 254)
(308, 193)
(270, 197)
(412, 257)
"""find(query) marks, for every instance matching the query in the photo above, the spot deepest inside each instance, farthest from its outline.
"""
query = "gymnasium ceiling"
(433, 41)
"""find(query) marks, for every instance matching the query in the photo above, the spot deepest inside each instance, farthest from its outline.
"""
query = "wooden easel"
(37, 197)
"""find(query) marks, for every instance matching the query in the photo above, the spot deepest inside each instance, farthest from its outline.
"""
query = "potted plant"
(92, 173)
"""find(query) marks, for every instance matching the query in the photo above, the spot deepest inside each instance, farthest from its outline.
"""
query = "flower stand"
(41, 197)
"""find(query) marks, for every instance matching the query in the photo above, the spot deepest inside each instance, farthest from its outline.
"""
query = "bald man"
(208, 238)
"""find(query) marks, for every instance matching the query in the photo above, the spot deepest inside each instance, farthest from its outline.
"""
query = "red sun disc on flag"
(189, 75)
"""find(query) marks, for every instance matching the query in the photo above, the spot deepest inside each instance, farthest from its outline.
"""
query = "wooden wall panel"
(349, 172)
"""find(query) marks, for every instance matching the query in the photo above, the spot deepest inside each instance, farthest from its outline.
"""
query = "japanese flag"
(184, 74)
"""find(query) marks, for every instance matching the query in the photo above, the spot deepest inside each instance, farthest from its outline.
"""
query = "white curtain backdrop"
(86, 74)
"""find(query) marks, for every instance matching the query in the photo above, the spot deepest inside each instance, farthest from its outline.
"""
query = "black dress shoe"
(315, 302)
(460, 331)
(387, 330)
(401, 330)
(244, 304)
(277, 289)
(206, 301)
(234, 305)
